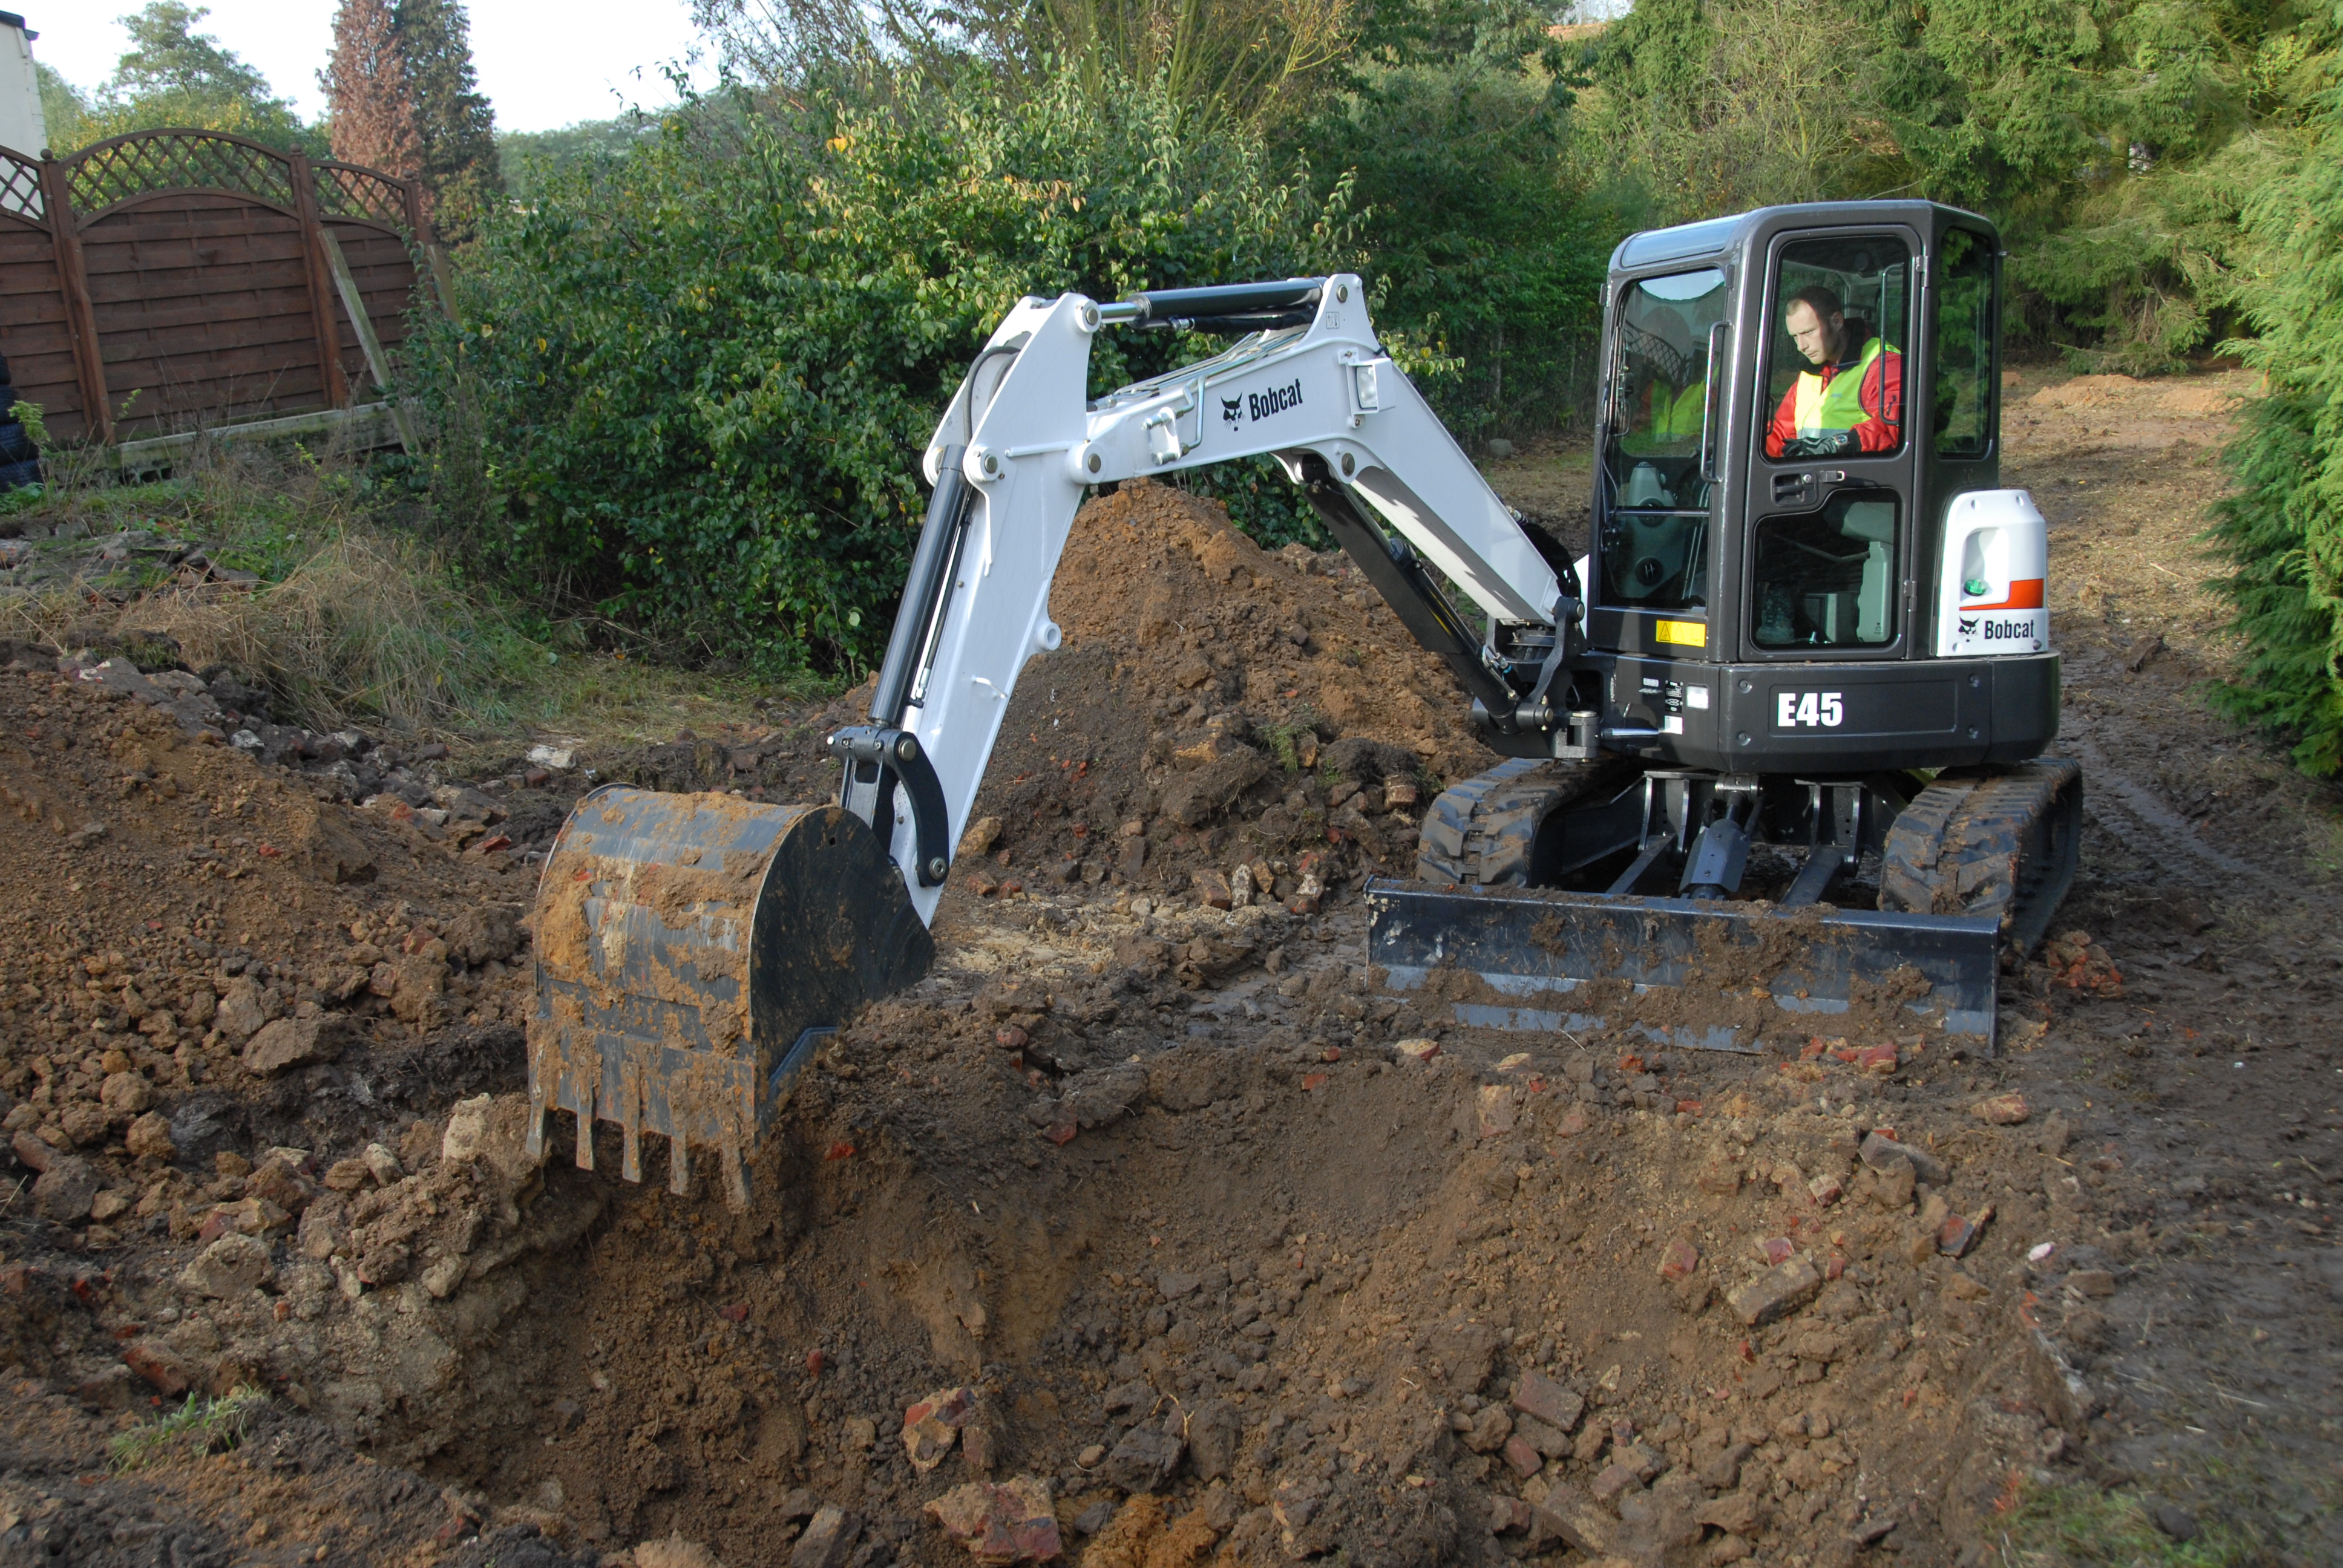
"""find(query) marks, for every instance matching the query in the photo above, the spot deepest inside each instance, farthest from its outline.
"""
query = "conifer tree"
(365, 82)
(454, 123)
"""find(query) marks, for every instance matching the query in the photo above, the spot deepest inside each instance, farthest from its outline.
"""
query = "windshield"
(1654, 539)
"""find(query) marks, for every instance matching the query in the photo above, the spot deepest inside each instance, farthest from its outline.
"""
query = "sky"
(541, 64)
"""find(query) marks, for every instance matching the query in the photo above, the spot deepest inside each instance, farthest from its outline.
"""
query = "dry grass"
(359, 620)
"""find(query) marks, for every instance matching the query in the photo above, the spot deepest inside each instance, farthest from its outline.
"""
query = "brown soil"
(1233, 1275)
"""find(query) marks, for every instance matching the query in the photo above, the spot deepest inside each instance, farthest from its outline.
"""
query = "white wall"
(20, 90)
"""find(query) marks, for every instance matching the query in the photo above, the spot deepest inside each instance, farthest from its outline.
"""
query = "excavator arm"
(1306, 382)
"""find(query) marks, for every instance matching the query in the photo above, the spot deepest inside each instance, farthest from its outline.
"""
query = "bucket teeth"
(685, 944)
(631, 1121)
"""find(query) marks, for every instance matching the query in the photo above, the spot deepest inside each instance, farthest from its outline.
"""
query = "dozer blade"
(1530, 959)
(691, 951)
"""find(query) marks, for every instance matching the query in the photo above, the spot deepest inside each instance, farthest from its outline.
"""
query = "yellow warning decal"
(1688, 633)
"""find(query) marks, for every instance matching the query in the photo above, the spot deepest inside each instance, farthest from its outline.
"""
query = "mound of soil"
(1147, 1231)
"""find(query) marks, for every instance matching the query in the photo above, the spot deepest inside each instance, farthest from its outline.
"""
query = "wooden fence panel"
(171, 280)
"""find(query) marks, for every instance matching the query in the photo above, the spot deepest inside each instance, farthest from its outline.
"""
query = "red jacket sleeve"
(1784, 428)
(1881, 393)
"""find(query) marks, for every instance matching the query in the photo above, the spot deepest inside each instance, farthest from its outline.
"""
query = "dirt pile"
(1215, 706)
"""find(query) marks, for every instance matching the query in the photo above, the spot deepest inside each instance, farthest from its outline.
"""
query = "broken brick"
(1012, 1522)
(2002, 1109)
(1678, 1260)
(1959, 1232)
(1520, 1458)
(1775, 1293)
(1549, 1402)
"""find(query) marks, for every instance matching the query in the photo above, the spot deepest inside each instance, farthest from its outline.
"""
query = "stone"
(1548, 1440)
(1215, 1435)
(64, 1192)
(156, 1364)
(491, 1134)
(382, 1164)
(1721, 1467)
(1538, 1396)
(1091, 1456)
(1777, 1293)
(1776, 1249)
(229, 1267)
(1146, 1457)
(1497, 1108)
(1959, 1232)
(1679, 1260)
(1825, 1189)
(931, 1427)
(295, 1042)
(2083, 1282)
(1734, 1513)
(1508, 1515)
(2002, 1109)
(125, 1094)
(1464, 1350)
(1174, 1285)
(1614, 1480)
(1488, 1428)
(1012, 1522)
(241, 1011)
(860, 1433)
(1420, 1051)
(2175, 1521)
(150, 1137)
(1521, 1457)
(828, 1541)
(1212, 891)
(1879, 1149)
(1891, 1181)
(34, 1153)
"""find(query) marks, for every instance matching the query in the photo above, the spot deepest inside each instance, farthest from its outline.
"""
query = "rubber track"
(1480, 833)
(1961, 846)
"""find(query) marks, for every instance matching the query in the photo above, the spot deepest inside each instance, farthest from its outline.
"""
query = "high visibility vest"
(1839, 405)
(1677, 418)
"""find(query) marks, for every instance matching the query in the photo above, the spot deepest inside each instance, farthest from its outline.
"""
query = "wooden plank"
(194, 281)
(218, 223)
(368, 424)
(355, 313)
(238, 365)
(199, 343)
(89, 370)
(242, 305)
(152, 256)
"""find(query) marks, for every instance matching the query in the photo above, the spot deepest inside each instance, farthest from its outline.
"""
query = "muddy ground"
(1230, 1262)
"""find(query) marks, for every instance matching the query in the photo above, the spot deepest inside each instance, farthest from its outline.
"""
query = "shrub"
(702, 375)
(2282, 527)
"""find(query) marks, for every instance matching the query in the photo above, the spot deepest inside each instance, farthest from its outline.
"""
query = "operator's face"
(1811, 333)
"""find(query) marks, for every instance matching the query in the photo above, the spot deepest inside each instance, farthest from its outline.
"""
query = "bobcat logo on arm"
(1232, 411)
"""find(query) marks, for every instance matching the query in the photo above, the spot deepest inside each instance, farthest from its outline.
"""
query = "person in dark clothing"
(20, 460)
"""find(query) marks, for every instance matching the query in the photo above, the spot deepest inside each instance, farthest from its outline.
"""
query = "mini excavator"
(1806, 653)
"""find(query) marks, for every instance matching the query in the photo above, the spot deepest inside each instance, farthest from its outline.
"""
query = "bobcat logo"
(1968, 625)
(1232, 411)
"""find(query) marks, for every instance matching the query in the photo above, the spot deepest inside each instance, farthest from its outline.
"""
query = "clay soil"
(1230, 1268)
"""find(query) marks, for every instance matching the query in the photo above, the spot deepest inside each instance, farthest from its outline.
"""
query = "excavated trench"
(1147, 1228)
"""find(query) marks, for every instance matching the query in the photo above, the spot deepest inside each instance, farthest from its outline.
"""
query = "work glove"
(1829, 444)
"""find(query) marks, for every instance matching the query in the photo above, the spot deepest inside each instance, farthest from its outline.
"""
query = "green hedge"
(701, 376)
(2282, 527)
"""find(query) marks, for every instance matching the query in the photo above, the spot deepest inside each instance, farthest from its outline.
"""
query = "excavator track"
(1481, 833)
(1998, 842)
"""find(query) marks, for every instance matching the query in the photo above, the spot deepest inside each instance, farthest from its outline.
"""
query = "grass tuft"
(209, 1425)
(2081, 1526)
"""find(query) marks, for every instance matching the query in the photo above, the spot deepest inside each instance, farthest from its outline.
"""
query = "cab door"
(1827, 556)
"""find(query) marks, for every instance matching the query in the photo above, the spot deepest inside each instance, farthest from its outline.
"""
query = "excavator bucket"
(693, 950)
(1702, 974)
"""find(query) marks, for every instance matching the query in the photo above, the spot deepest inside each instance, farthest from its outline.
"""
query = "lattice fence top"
(349, 190)
(144, 161)
(20, 187)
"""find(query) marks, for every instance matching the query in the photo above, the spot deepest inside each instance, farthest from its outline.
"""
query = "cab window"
(1654, 535)
(1963, 359)
(1834, 350)
(1826, 578)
